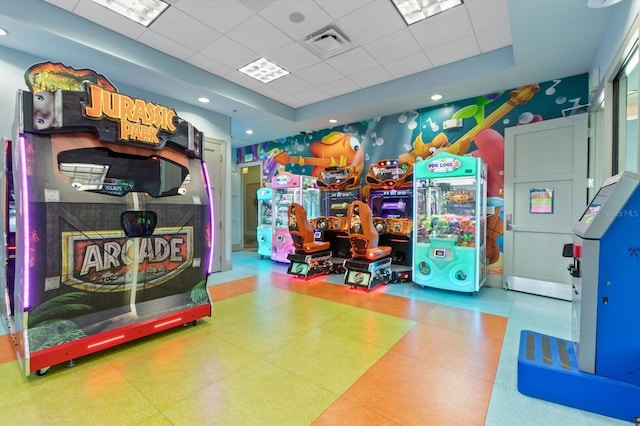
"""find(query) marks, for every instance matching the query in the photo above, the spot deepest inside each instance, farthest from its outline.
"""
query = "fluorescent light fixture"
(263, 70)
(436, 97)
(3, 32)
(249, 131)
(416, 10)
(204, 100)
(142, 11)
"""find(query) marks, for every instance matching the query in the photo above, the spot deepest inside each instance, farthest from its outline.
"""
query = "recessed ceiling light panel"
(263, 70)
(142, 11)
(413, 11)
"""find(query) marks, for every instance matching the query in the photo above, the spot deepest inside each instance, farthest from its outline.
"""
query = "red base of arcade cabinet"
(45, 358)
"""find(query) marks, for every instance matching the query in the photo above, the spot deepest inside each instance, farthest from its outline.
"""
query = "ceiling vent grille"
(328, 42)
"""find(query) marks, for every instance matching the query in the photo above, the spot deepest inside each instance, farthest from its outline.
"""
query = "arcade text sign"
(104, 260)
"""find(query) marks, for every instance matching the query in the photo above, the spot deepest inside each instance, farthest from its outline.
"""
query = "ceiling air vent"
(328, 42)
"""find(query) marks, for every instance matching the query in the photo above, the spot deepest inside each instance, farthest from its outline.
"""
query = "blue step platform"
(548, 370)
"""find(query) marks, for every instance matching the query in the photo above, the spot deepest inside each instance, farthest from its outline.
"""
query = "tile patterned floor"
(283, 351)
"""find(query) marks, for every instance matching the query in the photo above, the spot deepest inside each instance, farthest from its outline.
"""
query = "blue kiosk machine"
(599, 371)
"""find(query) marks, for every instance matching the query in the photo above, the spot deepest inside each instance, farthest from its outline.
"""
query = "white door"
(545, 192)
(214, 159)
(236, 209)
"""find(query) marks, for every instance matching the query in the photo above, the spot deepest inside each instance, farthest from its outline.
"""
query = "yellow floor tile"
(258, 394)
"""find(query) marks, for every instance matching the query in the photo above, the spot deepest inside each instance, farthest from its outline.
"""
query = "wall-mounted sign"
(541, 200)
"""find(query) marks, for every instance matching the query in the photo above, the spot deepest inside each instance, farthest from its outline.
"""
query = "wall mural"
(416, 135)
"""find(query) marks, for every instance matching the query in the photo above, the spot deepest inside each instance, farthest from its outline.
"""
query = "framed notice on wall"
(541, 200)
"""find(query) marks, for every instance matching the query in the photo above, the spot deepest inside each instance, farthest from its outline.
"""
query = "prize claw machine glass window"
(106, 172)
(265, 212)
(282, 198)
(446, 207)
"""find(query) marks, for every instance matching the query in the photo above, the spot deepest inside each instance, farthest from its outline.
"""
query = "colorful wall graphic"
(419, 134)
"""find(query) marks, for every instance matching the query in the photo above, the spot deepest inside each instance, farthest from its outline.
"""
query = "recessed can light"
(204, 100)
(436, 97)
(333, 120)
(249, 132)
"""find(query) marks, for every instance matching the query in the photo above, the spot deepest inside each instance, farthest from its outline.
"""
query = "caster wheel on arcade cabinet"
(43, 371)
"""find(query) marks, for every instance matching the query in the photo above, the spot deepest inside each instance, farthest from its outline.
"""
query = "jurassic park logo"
(138, 120)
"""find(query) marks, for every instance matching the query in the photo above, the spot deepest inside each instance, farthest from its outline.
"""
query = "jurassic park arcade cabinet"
(106, 200)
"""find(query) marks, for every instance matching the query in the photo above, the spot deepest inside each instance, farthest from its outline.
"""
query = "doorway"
(545, 187)
(251, 182)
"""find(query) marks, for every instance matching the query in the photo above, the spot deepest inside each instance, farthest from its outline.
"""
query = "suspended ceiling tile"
(394, 46)
(293, 57)
(165, 45)
(277, 14)
(338, 8)
(258, 35)
(290, 84)
(494, 38)
(409, 65)
(339, 87)
(109, 19)
(181, 28)
(485, 14)
(229, 53)
(222, 16)
(371, 76)
(208, 64)
(319, 73)
(371, 22)
(454, 51)
(353, 61)
(442, 28)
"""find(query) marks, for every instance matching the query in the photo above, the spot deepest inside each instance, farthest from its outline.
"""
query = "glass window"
(626, 127)
(106, 172)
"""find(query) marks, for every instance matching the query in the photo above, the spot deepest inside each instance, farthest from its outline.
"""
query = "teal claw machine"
(450, 207)
(265, 221)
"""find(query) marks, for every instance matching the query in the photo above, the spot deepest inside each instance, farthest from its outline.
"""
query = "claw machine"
(450, 223)
(290, 188)
(265, 221)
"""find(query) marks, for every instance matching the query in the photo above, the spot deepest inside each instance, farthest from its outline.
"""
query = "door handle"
(509, 224)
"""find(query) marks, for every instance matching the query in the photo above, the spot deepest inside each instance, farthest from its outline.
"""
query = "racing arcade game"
(311, 257)
(370, 264)
(338, 189)
(390, 194)
(599, 370)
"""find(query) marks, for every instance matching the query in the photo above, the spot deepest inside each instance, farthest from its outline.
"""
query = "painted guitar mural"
(440, 143)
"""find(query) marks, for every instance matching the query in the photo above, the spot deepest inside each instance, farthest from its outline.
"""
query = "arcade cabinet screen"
(392, 203)
(106, 172)
(598, 201)
(336, 203)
